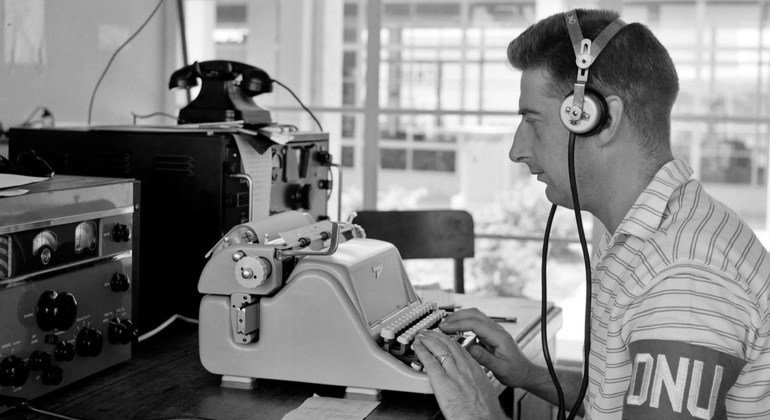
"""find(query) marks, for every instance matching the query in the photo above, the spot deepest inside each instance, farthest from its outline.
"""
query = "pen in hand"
(503, 319)
(510, 319)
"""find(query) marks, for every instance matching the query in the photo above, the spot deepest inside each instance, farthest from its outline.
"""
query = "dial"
(44, 244)
(85, 237)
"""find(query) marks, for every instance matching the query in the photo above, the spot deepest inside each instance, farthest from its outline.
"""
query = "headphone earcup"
(594, 111)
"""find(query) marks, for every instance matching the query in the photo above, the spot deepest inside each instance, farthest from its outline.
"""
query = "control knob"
(121, 233)
(120, 282)
(121, 331)
(39, 360)
(89, 342)
(64, 351)
(52, 375)
(56, 310)
(298, 196)
(251, 272)
(13, 371)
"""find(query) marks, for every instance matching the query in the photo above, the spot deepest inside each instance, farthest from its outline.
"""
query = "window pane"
(231, 13)
(348, 126)
(393, 158)
(431, 160)
(348, 154)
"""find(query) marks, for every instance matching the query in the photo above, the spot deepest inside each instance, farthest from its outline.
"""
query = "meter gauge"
(85, 237)
(277, 166)
(44, 244)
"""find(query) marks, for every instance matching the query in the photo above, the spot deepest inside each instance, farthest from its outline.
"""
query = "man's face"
(541, 141)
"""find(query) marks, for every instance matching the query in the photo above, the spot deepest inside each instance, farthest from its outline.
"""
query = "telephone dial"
(226, 92)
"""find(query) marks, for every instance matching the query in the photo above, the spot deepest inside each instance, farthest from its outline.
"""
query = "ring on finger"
(443, 357)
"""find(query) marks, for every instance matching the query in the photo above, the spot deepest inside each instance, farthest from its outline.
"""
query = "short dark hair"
(634, 66)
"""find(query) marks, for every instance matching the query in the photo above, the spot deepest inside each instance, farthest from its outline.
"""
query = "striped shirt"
(681, 267)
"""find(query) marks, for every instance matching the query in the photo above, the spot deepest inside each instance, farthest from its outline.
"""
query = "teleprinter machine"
(289, 299)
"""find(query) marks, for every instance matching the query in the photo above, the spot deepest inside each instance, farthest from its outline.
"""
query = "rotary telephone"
(226, 92)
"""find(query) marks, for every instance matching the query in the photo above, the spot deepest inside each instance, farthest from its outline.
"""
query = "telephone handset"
(253, 81)
(226, 92)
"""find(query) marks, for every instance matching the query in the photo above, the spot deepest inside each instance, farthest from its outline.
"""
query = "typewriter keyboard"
(396, 337)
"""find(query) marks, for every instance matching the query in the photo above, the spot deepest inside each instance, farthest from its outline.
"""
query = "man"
(680, 284)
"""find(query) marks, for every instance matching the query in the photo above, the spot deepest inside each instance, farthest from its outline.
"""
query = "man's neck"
(621, 185)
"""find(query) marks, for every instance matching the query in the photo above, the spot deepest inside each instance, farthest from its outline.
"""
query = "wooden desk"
(165, 380)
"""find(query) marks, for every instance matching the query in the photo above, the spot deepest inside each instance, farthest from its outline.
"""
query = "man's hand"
(462, 389)
(496, 350)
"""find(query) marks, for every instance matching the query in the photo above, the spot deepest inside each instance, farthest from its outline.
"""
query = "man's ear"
(615, 110)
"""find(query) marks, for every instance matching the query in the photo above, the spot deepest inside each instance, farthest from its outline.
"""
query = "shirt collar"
(646, 215)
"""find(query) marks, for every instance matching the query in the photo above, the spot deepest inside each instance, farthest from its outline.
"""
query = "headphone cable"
(544, 310)
(587, 264)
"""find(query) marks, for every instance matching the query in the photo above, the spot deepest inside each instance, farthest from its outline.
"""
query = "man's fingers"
(483, 357)
(484, 328)
(431, 365)
(470, 313)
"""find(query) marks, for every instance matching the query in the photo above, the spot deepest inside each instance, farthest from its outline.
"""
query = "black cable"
(543, 312)
(32, 114)
(587, 264)
(300, 103)
(154, 114)
(104, 73)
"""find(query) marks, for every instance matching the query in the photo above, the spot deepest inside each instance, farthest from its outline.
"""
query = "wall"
(78, 39)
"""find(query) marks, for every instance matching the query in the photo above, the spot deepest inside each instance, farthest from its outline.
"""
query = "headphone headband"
(585, 54)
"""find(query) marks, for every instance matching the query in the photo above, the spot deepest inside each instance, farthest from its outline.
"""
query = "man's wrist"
(527, 373)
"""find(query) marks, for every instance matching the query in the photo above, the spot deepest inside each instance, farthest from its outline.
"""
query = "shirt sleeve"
(695, 305)
(688, 339)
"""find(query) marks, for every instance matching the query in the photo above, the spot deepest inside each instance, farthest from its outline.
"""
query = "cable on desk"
(19, 403)
(51, 413)
(183, 418)
(165, 324)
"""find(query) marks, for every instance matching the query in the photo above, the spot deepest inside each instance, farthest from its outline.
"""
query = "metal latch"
(244, 316)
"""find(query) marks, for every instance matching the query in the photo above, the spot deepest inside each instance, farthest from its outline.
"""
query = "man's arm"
(541, 385)
(498, 352)
(678, 380)
(689, 336)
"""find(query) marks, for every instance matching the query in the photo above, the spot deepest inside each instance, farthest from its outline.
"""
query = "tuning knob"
(56, 310)
(121, 331)
(89, 342)
(120, 282)
(13, 371)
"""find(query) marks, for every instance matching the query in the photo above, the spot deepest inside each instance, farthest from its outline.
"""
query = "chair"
(424, 234)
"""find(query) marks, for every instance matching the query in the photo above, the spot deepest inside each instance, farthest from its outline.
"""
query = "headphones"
(584, 112)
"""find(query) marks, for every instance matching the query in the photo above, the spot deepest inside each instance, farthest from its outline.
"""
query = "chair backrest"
(424, 234)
